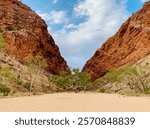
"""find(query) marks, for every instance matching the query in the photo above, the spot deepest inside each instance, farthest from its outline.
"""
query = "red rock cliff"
(129, 44)
(26, 33)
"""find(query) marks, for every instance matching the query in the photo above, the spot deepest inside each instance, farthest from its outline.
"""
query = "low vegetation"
(4, 90)
(6, 78)
(128, 80)
(35, 66)
(76, 81)
(31, 80)
(140, 80)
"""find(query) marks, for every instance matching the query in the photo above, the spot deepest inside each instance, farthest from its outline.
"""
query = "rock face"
(129, 44)
(26, 33)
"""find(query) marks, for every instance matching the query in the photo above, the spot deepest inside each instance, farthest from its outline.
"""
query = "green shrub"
(100, 82)
(117, 74)
(26, 85)
(1, 30)
(19, 82)
(6, 78)
(5, 90)
(6, 74)
(114, 75)
(102, 90)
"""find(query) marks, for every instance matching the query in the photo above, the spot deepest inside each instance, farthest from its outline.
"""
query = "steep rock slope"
(26, 33)
(129, 44)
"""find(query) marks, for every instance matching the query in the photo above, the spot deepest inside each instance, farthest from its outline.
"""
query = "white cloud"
(103, 20)
(55, 1)
(144, 1)
(70, 26)
(55, 17)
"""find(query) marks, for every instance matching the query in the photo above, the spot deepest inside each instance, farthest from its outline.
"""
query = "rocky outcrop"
(128, 45)
(26, 33)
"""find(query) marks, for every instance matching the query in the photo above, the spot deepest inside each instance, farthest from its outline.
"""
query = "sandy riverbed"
(81, 102)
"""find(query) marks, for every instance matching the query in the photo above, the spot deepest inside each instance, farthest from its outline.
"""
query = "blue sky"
(80, 27)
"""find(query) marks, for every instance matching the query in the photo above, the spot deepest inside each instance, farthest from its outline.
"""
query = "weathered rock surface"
(26, 33)
(128, 45)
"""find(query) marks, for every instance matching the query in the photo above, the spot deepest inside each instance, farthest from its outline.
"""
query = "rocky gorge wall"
(128, 45)
(26, 33)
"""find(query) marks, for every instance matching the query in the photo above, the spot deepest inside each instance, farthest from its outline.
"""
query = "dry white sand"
(80, 102)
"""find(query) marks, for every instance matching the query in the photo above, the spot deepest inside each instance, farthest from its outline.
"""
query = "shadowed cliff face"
(26, 33)
(129, 44)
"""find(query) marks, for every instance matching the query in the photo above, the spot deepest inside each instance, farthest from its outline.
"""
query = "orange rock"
(129, 44)
(26, 33)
